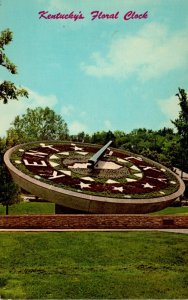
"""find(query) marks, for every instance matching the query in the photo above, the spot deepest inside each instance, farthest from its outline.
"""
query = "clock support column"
(60, 209)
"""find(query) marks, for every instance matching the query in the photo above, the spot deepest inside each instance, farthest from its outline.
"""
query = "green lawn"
(49, 208)
(172, 211)
(94, 265)
(28, 208)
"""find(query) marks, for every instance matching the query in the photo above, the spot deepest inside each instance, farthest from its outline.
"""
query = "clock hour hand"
(95, 158)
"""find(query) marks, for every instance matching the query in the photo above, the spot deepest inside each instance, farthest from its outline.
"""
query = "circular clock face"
(116, 175)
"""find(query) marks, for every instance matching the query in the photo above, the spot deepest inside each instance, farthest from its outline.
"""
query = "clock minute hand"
(95, 158)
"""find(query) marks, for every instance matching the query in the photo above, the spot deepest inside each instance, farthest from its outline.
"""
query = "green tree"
(9, 191)
(37, 124)
(171, 151)
(109, 137)
(8, 90)
(102, 137)
(119, 138)
(181, 124)
(81, 136)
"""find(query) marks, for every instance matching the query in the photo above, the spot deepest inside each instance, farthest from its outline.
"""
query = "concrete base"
(60, 209)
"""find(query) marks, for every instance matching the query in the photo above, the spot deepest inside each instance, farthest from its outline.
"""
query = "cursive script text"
(73, 16)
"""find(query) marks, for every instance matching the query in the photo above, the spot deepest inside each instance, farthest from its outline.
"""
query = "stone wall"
(92, 222)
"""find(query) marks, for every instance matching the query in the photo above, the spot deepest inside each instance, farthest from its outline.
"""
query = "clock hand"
(95, 158)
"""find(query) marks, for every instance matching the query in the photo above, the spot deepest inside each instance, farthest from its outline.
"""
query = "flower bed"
(134, 176)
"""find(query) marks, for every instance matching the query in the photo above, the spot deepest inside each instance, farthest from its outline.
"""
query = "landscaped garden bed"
(65, 165)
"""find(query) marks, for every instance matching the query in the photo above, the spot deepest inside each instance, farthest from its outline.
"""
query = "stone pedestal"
(60, 209)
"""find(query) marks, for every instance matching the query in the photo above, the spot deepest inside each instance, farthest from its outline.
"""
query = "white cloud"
(67, 110)
(151, 53)
(170, 108)
(36, 99)
(107, 125)
(9, 111)
(76, 127)
(83, 114)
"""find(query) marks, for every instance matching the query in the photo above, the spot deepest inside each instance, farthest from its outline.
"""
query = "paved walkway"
(183, 231)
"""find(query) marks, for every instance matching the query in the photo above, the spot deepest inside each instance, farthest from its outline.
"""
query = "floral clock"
(91, 178)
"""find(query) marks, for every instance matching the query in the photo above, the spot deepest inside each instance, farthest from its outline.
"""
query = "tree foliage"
(8, 90)
(9, 191)
(181, 124)
(165, 146)
(160, 145)
(37, 124)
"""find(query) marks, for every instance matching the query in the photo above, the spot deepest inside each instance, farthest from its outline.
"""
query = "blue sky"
(101, 74)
